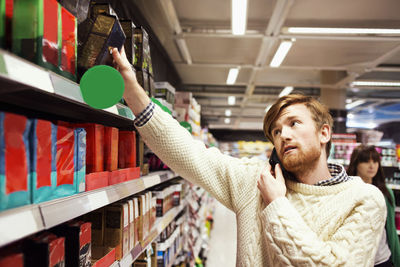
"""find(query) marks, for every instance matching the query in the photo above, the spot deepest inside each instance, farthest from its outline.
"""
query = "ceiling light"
(310, 30)
(228, 112)
(348, 101)
(355, 104)
(239, 17)
(281, 53)
(350, 116)
(227, 120)
(231, 100)
(287, 90)
(233, 73)
(376, 83)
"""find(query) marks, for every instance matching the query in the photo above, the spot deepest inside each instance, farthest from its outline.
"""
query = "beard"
(302, 160)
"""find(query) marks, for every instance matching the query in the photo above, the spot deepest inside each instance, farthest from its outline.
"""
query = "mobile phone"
(274, 159)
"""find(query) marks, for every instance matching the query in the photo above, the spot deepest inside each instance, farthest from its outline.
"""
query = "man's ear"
(325, 134)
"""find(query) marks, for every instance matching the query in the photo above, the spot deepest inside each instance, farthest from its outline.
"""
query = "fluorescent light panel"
(228, 112)
(227, 120)
(377, 83)
(355, 104)
(281, 53)
(231, 100)
(287, 90)
(310, 30)
(239, 17)
(233, 73)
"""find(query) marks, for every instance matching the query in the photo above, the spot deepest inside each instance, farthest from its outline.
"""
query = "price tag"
(112, 109)
(150, 181)
(98, 200)
(15, 226)
(28, 74)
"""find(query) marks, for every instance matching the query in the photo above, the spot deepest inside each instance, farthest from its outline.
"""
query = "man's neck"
(314, 173)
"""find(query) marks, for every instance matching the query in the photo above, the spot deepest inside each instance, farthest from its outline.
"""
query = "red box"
(117, 177)
(127, 149)
(96, 180)
(14, 259)
(103, 256)
(110, 149)
(45, 250)
(133, 173)
(94, 146)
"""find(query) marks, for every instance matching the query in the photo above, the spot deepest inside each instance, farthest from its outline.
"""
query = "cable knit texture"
(338, 225)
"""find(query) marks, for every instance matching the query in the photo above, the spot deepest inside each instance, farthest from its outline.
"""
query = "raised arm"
(228, 179)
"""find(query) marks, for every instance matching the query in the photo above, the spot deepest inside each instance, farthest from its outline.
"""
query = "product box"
(110, 148)
(117, 229)
(68, 44)
(80, 159)
(100, 8)
(13, 259)
(6, 14)
(96, 180)
(143, 79)
(165, 91)
(139, 151)
(136, 220)
(97, 219)
(105, 32)
(102, 256)
(94, 146)
(35, 32)
(131, 224)
(118, 176)
(44, 250)
(42, 144)
(183, 98)
(129, 45)
(65, 165)
(77, 242)
(143, 215)
(14, 161)
(142, 51)
(127, 149)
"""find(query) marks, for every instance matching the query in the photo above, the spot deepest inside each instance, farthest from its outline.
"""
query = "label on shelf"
(3, 68)
(98, 200)
(17, 225)
(112, 109)
(152, 180)
(28, 74)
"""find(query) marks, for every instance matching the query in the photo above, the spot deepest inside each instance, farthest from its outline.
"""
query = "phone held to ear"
(273, 160)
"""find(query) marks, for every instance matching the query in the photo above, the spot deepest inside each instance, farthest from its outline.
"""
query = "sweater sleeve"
(228, 179)
(353, 244)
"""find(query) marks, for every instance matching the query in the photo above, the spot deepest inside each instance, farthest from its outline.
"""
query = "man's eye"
(295, 123)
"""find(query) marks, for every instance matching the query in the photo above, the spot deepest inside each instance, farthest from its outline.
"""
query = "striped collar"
(338, 174)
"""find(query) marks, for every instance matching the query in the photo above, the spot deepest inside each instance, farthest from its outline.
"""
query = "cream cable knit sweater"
(338, 225)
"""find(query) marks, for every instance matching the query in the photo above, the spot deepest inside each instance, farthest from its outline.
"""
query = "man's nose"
(286, 133)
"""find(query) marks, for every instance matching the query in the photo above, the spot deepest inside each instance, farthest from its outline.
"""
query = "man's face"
(296, 139)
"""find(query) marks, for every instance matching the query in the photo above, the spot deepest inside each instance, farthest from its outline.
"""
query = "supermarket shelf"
(36, 218)
(197, 247)
(159, 225)
(29, 88)
(176, 255)
(394, 186)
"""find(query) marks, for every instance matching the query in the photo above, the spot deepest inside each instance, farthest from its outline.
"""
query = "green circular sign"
(102, 87)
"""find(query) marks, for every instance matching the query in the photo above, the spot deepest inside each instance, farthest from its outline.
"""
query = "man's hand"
(134, 94)
(271, 187)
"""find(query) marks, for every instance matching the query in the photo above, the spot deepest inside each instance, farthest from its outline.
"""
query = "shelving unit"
(21, 222)
(45, 94)
(159, 226)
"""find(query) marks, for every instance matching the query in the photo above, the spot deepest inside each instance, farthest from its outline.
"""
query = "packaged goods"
(77, 243)
(110, 148)
(127, 149)
(165, 91)
(129, 45)
(96, 180)
(69, 43)
(102, 256)
(94, 146)
(102, 35)
(143, 79)
(136, 220)
(80, 159)
(45, 250)
(14, 161)
(117, 229)
(142, 51)
(35, 31)
(65, 162)
(12, 259)
(42, 141)
(6, 14)
(131, 224)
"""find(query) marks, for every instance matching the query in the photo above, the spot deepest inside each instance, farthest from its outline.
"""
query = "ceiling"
(197, 37)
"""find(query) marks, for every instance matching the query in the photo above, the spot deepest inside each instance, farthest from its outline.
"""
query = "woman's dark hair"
(364, 154)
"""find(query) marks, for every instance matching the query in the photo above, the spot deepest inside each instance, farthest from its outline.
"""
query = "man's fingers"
(278, 173)
(117, 56)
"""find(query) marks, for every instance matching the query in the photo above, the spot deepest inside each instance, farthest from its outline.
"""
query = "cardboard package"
(116, 233)
(44, 250)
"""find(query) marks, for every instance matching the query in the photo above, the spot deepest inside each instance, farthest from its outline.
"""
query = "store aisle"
(223, 238)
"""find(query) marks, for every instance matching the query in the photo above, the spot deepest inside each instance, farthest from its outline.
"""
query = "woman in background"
(366, 162)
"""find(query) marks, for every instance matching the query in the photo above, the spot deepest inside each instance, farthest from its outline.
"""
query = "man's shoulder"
(367, 192)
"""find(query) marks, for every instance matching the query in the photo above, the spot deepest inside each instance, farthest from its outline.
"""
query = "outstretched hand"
(270, 186)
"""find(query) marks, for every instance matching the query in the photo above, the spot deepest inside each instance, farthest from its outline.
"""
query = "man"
(321, 218)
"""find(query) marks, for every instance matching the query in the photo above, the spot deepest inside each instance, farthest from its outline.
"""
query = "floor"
(222, 238)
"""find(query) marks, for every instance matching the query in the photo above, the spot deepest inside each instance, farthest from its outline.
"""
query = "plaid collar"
(338, 174)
